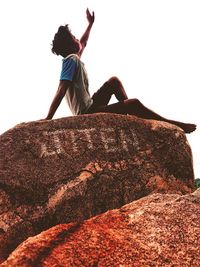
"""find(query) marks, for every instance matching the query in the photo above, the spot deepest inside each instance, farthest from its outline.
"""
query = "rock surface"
(157, 230)
(71, 169)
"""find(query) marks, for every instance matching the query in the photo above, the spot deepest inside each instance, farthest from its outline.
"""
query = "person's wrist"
(48, 117)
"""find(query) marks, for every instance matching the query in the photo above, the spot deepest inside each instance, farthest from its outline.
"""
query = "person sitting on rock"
(74, 83)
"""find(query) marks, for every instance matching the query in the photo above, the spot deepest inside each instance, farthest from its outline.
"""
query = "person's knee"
(114, 81)
(137, 102)
(133, 101)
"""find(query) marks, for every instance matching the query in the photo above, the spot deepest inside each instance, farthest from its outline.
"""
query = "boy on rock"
(74, 83)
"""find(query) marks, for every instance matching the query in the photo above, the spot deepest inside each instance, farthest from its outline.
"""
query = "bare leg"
(135, 107)
(112, 87)
(118, 89)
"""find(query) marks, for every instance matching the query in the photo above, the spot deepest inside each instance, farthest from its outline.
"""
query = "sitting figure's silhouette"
(74, 83)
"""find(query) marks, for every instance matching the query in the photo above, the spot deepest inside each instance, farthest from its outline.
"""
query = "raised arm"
(62, 88)
(84, 38)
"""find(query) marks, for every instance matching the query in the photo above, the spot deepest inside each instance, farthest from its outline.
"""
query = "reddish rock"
(71, 169)
(157, 230)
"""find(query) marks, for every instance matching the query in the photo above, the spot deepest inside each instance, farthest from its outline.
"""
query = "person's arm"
(62, 89)
(84, 38)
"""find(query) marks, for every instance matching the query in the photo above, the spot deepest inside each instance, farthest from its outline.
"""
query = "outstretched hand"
(84, 38)
(90, 17)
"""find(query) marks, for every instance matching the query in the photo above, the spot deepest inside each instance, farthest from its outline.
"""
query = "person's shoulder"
(71, 57)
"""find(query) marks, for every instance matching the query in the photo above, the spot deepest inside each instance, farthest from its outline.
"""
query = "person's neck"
(71, 51)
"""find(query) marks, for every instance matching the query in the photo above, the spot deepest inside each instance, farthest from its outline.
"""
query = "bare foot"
(187, 127)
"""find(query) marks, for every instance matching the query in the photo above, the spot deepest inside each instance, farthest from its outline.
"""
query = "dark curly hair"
(62, 43)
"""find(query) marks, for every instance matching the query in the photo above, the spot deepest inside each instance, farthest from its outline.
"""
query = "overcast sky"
(153, 46)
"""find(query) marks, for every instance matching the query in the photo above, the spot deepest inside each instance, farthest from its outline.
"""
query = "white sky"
(153, 46)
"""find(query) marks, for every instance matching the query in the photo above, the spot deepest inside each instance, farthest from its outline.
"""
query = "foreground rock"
(158, 230)
(71, 169)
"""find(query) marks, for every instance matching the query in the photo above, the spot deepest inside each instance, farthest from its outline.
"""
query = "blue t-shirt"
(69, 67)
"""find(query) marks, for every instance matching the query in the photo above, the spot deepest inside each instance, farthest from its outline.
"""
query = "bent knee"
(114, 81)
(134, 101)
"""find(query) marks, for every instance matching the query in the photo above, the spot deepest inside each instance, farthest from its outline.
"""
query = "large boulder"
(157, 230)
(73, 168)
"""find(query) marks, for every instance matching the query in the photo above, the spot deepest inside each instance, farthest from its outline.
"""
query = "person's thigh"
(103, 95)
(118, 108)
